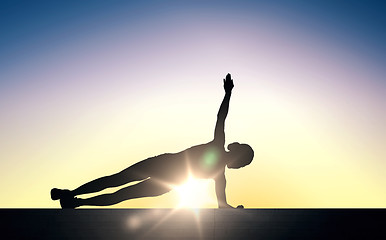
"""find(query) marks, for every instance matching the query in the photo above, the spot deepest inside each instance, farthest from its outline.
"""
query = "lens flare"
(194, 194)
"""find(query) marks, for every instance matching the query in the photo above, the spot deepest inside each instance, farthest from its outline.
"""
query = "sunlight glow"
(194, 194)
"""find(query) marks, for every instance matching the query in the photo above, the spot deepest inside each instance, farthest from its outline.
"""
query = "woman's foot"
(60, 193)
(69, 202)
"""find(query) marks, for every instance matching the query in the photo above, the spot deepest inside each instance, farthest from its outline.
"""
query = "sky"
(89, 88)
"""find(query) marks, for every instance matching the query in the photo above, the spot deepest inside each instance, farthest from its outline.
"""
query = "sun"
(196, 193)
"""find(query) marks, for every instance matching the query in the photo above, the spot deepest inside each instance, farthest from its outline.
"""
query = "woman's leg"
(135, 172)
(146, 188)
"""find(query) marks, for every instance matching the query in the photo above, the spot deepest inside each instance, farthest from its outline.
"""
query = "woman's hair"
(245, 154)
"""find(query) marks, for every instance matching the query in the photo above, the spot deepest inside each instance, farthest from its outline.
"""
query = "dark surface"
(193, 224)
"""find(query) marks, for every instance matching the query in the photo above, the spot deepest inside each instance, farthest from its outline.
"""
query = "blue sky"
(30, 27)
(82, 81)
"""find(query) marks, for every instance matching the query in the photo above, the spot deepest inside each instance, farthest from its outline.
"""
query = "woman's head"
(240, 155)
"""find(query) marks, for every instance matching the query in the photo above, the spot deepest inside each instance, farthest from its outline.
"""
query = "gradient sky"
(87, 89)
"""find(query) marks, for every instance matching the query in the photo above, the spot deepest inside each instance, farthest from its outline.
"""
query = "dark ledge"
(193, 224)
